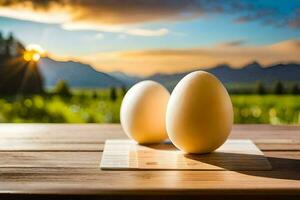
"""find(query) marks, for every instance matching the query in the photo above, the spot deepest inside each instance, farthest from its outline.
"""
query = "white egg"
(143, 112)
(199, 114)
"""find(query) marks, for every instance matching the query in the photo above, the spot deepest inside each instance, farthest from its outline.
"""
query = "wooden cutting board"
(233, 155)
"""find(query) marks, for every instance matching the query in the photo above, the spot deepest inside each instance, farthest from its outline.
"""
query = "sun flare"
(33, 52)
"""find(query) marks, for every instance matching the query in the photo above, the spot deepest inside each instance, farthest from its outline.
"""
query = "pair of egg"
(197, 117)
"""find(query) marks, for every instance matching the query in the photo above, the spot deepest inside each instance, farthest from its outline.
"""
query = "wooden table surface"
(61, 161)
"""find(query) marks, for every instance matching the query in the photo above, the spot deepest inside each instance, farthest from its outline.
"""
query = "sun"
(33, 52)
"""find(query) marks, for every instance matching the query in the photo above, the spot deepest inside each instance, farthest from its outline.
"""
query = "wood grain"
(80, 137)
(233, 155)
(61, 174)
(64, 159)
(280, 160)
(93, 181)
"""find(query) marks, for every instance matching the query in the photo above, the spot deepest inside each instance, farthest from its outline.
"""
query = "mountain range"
(249, 73)
(75, 74)
(85, 76)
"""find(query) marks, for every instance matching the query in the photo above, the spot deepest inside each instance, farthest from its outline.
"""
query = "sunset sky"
(150, 36)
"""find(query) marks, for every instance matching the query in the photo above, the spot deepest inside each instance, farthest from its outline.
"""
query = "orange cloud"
(114, 12)
(112, 15)
(124, 12)
(147, 62)
(105, 15)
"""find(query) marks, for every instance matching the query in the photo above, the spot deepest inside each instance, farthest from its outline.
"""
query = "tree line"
(277, 87)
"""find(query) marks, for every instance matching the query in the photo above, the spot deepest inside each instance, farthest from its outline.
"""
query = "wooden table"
(61, 161)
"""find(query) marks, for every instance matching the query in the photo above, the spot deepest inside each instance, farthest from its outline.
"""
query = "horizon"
(180, 72)
(165, 38)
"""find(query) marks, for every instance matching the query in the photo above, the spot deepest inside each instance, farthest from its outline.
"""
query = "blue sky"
(131, 34)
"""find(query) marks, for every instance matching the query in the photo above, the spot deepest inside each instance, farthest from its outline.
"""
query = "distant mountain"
(82, 75)
(75, 74)
(247, 74)
(255, 72)
(128, 80)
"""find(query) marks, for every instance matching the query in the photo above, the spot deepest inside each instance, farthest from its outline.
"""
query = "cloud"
(233, 43)
(103, 13)
(102, 16)
(144, 32)
(99, 36)
(49, 17)
(151, 61)
(265, 15)
(116, 29)
(74, 26)
(294, 23)
(271, 16)
(112, 11)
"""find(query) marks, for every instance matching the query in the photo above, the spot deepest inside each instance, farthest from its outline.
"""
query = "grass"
(270, 109)
(98, 107)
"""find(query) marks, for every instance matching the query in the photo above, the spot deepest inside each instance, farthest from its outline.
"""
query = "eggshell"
(143, 112)
(199, 113)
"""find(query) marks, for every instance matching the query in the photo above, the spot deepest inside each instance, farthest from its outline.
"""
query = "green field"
(270, 109)
(100, 107)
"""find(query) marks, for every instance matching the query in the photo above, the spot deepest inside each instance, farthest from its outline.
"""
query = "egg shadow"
(165, 146)
(281, 168)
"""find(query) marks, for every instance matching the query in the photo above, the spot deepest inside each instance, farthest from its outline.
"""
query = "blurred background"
(72, 61)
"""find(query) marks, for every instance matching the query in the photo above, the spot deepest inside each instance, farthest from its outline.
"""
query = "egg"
(143, 112)
(199, 114)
